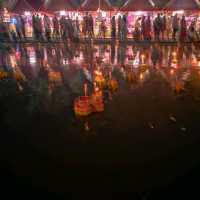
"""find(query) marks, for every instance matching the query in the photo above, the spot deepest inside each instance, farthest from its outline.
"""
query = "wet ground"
(144, 145)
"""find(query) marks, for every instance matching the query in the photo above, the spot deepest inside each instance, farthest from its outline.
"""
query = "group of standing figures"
(166, 27)
(160, 27)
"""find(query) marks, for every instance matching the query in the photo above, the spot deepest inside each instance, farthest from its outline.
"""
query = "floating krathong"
(86, 105)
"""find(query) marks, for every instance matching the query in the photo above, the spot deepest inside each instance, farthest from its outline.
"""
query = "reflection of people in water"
(121, 54)
(112, 53)
(155, 55)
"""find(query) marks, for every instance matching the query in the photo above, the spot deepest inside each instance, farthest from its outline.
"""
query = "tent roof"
(76, 3)
(93, 5)
(9, 4)
(117, 3)
(57, 5)
(36, 4)
(182, 5)
(21, 6)
(136, 5)
(160, 3)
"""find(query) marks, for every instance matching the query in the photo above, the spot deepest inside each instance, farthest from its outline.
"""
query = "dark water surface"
(145, 144)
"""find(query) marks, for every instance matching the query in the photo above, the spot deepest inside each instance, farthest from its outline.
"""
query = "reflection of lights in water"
(123, 72)
(55, 77)
(78, 60)
(106, 57)
(142, 58)
(126, 60)
(65, 61)
(53, 52)
(86, 126)
(198, 63)
(32, 57)
(45, 54)
(32, 60)
(141, 76)
(194, 60)
(18, 55)
(98, 73)
(174, 54)
(87, 74)
(185, 76)
(45, 63)
(147, 71)
(174, 62)
(172, 71)
(174, 65)
(13, 62)
(136, 61)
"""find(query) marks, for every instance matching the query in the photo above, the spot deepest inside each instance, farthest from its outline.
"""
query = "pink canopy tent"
(138, 5)
(58, 5)
(94, 5)
(21, 6)
(183, 5)
(37, 5)
(160, 4)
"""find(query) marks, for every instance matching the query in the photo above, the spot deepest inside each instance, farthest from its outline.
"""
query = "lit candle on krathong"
(85, 88)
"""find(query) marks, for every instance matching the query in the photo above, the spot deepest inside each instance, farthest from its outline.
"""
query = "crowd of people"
(166, 27)
(159, 28)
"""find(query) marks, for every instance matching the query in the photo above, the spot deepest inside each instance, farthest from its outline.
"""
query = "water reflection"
(68, 67)
(62, 55)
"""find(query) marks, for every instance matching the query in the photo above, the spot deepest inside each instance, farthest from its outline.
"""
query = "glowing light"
(103, 14)
(62, 13)
(139, 13)
(118, 14)
(32, 60)
(98, 73)
(27, 13)
(179, 12)
(172, 71)
(174, 65)
(13, 61)
(13, 21)
(142, 58)
(65, 61)
(32, 57)
(141, 76)
(174, 53)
